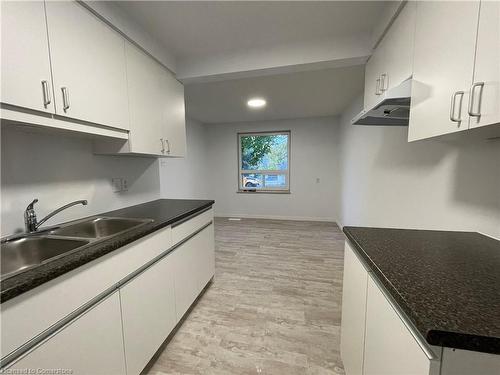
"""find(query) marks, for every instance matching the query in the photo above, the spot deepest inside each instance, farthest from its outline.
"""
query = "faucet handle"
(30, 206)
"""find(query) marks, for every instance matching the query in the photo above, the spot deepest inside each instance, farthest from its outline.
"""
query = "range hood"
(392, 109)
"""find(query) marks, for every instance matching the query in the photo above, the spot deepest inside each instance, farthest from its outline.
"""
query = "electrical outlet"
(124, 184)
(116, 184)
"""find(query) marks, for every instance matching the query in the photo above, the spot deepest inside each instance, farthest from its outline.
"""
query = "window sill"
(263, 192)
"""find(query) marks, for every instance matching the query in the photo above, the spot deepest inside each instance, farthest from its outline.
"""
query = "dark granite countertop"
(164, 212)
(447, 283)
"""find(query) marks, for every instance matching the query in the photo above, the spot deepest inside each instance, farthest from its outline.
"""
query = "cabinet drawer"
(181, 231)
(31, 313)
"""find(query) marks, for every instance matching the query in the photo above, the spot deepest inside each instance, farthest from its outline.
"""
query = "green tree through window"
(264, 161)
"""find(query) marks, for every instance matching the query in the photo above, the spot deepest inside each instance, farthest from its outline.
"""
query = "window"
(264, 161)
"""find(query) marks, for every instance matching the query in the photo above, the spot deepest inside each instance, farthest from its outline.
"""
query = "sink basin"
(99, 227)
(17, 255)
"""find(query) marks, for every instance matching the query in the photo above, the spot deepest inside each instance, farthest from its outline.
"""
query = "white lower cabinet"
(91, 344)
(466, 362)
(206, 253)
(374, 338)
(148, 313)
(389, 346)
(353, 313)
(193, 263)
(149, 287)
(377, 339)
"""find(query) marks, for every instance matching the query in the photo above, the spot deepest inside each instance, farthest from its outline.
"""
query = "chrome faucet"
(30, 221)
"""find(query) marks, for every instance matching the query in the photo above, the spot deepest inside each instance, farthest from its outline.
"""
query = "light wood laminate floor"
(273, 307)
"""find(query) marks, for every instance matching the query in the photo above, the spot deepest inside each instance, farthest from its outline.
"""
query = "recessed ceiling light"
(256, 103)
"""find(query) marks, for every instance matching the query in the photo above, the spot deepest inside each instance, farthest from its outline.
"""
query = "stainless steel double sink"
(19, 253)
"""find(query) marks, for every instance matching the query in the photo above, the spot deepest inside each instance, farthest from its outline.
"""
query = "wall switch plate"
(116, 184)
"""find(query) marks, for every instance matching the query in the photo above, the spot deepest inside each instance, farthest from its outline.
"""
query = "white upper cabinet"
(88, 63)
(484, 105)
(156, 105)
(25, 77)
(445, 41)
(372, 79)
(392, 60)
(174, 120)
(396, 49)
(61, 59)
(145, 94)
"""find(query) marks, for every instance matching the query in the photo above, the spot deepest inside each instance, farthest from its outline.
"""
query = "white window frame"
(243, 189)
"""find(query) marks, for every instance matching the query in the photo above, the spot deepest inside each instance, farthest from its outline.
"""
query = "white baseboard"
(275, 217)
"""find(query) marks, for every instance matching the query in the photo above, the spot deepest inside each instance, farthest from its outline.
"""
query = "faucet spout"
(30, 217)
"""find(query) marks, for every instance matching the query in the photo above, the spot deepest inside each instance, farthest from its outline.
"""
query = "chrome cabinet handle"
(162, 146)
(377, 87)
(168, 146)
(65, 97)
(46, 94)
(383, 82)
(471, 99)
(452, 109)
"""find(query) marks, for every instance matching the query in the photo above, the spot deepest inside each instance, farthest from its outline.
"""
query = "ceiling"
(294, 95)
(201, 32)
(197, 29)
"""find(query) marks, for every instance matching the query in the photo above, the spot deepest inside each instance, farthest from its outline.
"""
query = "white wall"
(188, 177)
(58, 169)
(312, 156)
(387, 182)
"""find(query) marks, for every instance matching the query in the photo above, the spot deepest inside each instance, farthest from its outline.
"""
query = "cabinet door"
(485, 97)
(353, 313)
(392, 60)
(445, 39)
(145, 94)
(206, 256)
(396, 49)
(148, 308)
(372, 79)
(92, 344)
(88, 62)
(191, 269)
(174, 120)
(390, 349)
(185, 283)
(25, 68)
